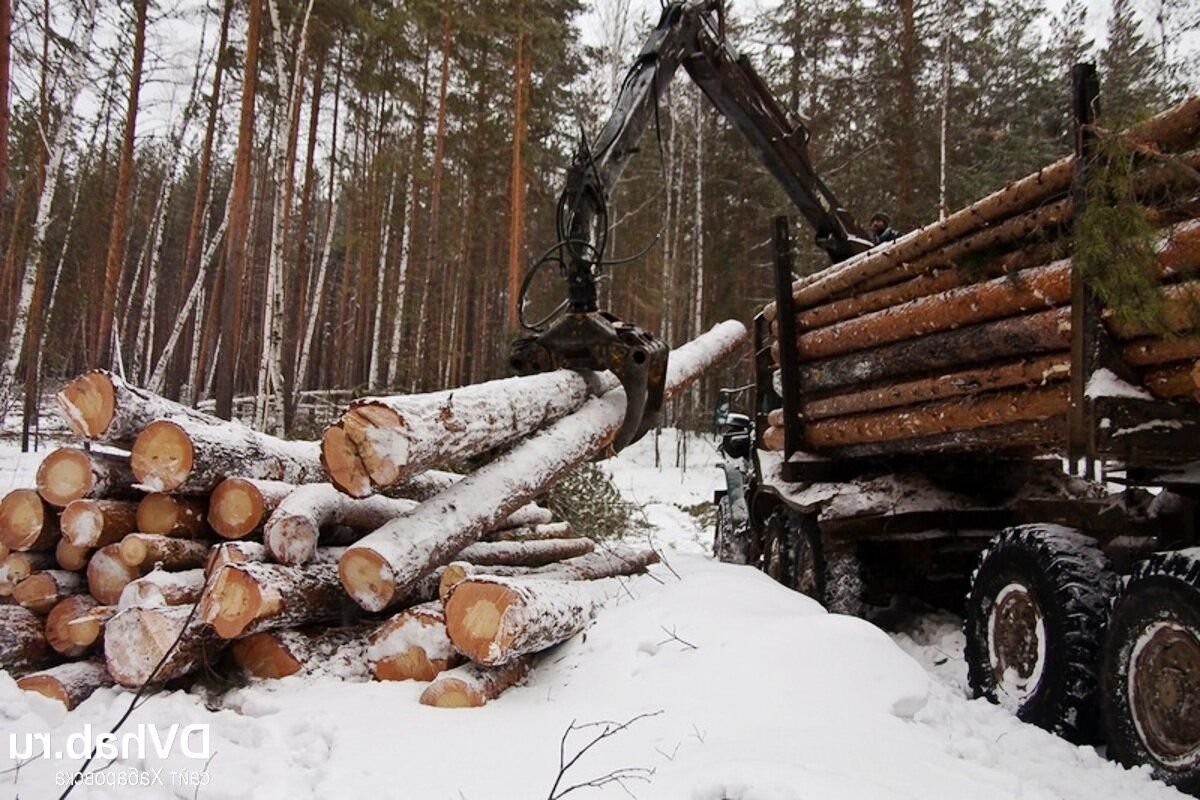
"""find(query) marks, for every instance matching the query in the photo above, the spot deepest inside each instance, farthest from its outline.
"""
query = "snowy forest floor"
(735, 688)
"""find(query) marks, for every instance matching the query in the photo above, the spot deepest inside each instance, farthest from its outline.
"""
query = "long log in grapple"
(958, 413)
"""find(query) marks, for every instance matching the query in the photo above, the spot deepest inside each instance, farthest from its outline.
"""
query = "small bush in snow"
(587, 499)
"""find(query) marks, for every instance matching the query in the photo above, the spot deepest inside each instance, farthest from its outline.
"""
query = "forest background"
(273, 205)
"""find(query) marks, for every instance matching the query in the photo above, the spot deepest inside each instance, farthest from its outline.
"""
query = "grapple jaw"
(596, 340)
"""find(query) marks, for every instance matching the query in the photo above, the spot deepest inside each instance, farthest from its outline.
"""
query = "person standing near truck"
(881, 228)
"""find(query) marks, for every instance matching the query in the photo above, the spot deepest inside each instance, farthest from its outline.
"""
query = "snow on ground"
(734, 688)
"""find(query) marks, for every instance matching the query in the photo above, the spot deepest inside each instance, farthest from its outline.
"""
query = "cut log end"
(69, 684)
(58, 625)
(107, 575)
(342, 463)
(170, 516)
(64, 475)
(162, 456)
(475, 612)
(232, 602)
(368, 578)
(452, 693)
(235, 508)
(25, 523)
(133, 550)
(292, 539)
(82, 523)
(47, 686)
(71, 556)
(263, 656)
(87, 403)
(412, 663)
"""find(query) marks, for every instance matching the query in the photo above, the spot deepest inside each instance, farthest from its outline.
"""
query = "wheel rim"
(1164, 678)
(1016, 645)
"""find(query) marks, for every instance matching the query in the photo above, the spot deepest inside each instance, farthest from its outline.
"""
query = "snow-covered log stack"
(203, 539)
(958, 336)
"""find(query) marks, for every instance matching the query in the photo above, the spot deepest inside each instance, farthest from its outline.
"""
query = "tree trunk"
(187, 458)
(516, 191)
(102, 407)
(906, 141)
(236, 254)
(144, 646)
(247, 598)
(27, 522)
(97, 523)
(120, 207)
(145, 550)
(162, 588)
(493, 620)
(22, 641)
(412, 645)
(535, 553)
(533, 533)
(473, 685)
(239, 506)
(278, 654)
(108, 575)
(42, 591)
(69, 684)
(379, 570)
(608, 562)
(71, 473)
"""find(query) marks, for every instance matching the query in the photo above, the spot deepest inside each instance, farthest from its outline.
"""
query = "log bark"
(42, 591)
(88, 628)
(234, 553)
(71, 556)
(18, 566)
(379, 570)
(293, 530)
(608, 562)
(58, 624)
(1174, 382)
(533, 533)
(394, 438)
(525, 553)
(1151, 352)
(473, 685)
(27, 522)
(163, 588)
(1010, 296)
(144, 550)
(1180, 313)
(493, 620)
(22, 640)
(172, 515)
(247, 598)
(529, 514)
(107, 574)
(238, 507)
(100, 406)
(69, 684)
(1027, 372)
(278, 654)
(1018, 337)
(97, 523)
(187, 458)
(154, 645)
(71, 473)
(412, 645)
(1019, 439)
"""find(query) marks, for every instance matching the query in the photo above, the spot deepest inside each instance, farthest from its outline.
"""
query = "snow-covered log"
(27, 522)
(172, 515)
(155, 645)
(412, 645)
(71, 473)
(96, 523)
(235, 552)
(492, 620)
(69, 684)
(22, 640)
(189, 458)
(528, 515)
(147, 549)
(18, 566)
(108, 574)
(163, 588)
(530, 533)
(88, 627)
(58, 624)
(246, 598)
(41, 591)
(535, 553)
(239, 506)
(378, 571)
(71, 556)
(396, 437)
(607, 562)
(473, 685)
(100, 406)
(278, 654)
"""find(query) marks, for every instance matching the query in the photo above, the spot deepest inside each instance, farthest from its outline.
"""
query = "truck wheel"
(1033, 621)
(778, 549)
(1150, 671)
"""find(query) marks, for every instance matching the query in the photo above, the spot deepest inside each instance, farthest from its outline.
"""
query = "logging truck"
(1000, 440)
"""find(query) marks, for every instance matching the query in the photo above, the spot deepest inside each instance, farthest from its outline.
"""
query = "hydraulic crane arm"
(688, 34)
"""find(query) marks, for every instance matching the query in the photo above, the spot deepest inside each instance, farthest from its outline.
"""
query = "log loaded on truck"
(968, 410)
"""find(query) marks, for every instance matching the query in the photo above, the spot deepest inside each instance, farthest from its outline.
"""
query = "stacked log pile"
(170, 539)
(958, 335)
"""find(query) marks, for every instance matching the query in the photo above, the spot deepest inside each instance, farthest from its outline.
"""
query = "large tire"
(728, 546)
(1033, 621)
(1150, 671)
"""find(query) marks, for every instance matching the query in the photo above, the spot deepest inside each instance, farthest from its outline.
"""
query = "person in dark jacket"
(881, 228)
